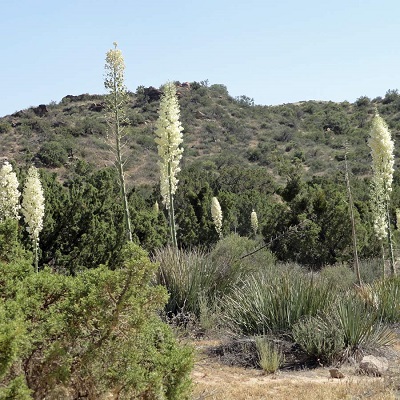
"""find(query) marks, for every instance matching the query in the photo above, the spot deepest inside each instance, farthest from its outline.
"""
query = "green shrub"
(53, 154)
(188, 276)
(92, 333)
(360, 324)
(319, 338)
(273, 301)
(269, 358)
(384, 297)
(349, 325)
(192, 276)
(5, 127)
(339, 276)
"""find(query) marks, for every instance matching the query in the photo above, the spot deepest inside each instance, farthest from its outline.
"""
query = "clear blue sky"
(276, 52)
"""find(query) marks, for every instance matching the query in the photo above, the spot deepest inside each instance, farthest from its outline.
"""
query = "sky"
(275, 52)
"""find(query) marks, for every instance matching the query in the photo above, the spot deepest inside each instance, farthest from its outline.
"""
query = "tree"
(117, 121)
(33, 209)
(9, 193)
(382, 149)
(168, 139)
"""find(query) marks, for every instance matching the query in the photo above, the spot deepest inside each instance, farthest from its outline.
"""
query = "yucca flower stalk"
(33, 208)
(169, 140)
(156, 208)
(254, 222)
(352, 219)
(116, 101)
(382, 150)
(216, 214)
(9, 193)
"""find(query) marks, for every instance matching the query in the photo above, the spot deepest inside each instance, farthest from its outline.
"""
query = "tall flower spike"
(9, 193)
(382, 149)
(33, 208)
(254, 222)
(116, 101)
(216, 214)
(168, 139)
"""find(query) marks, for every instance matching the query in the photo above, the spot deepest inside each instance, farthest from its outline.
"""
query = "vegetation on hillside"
(263, 245)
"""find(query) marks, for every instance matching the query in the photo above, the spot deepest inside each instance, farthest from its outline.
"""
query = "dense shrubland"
(90, 335)
(90, 321)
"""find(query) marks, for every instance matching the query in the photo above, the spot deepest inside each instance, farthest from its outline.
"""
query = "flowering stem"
(390, 239)
(353, 224)
(35, 244)
(171, 211)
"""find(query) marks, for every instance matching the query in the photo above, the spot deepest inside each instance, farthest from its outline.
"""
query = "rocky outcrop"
(152, 94)
(41, 110)
(97, 107)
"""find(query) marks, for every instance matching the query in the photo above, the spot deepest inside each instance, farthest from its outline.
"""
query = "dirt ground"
(214, 380)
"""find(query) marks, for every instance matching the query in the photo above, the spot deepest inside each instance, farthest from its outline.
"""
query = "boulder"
(373, 366)
(40, 110)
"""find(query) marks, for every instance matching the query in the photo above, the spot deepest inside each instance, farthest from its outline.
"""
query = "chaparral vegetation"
(135, 221)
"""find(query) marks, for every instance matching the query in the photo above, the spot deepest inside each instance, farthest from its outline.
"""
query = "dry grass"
(216, 381)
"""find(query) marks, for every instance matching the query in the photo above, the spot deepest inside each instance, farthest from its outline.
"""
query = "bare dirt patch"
(214, 380)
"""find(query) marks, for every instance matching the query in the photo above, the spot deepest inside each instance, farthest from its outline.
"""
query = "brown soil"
(214, 380)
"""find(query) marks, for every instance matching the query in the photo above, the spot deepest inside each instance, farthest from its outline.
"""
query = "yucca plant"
(360, 324)
(382, 152)
(33, 209)
(9, 193)
(116, 101)
(216, 214)
(383, 296)
(169, 139)
(274, 302)
(188, 276)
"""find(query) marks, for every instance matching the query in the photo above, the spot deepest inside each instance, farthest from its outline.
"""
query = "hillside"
(218, 129)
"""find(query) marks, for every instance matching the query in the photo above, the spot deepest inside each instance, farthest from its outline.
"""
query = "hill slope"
(217, 129)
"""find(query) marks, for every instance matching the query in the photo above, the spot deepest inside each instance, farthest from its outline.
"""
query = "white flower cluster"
(216, 214)
(168, 139)
(33, 204)
(254, 221)
(9, 193)
(382, 148)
